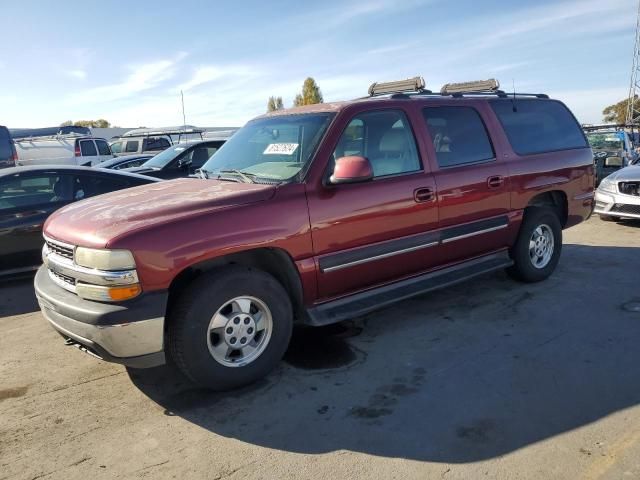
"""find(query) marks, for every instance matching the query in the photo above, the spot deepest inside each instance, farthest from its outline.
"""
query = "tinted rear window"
(537, 126)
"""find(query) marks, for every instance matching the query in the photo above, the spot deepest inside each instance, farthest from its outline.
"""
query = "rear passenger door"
(104, 152)
(471, 179)
(88, 152)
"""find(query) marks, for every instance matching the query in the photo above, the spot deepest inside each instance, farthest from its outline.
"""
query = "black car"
(126, 161)
(28, 195)
(7, 149)
(180, 160)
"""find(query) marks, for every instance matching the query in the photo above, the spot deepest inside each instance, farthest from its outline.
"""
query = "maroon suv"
(314, 215)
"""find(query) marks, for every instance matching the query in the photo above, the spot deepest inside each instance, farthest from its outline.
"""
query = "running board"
(365, 302)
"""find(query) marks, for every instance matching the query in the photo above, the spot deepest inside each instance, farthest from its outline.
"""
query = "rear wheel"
(230, 327)
(537, 249)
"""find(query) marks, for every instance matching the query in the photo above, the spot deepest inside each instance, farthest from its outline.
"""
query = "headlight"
(607, 185)
(104, 259)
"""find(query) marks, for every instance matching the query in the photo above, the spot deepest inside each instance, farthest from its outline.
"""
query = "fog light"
(108, 294)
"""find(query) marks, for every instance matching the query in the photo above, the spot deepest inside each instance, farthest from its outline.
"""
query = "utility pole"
(633, 104)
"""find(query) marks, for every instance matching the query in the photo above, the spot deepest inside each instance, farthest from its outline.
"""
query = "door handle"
(495, 182)
(422, 195)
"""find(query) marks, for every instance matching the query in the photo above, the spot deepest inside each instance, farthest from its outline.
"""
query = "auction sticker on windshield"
(280, 149)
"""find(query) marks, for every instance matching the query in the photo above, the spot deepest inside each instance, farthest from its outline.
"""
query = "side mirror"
(351, 170)
(613, 162)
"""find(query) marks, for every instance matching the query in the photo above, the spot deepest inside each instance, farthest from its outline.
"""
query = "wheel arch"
(554, 199)
(275, 261)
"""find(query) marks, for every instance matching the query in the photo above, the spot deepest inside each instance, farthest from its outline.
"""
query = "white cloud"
(142, 78)
(209, 73)
(79, 74)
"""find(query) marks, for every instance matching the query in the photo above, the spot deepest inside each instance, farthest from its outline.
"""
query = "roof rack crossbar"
(59, 136)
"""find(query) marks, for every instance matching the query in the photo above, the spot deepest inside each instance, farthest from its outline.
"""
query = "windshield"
(605, 141)
(166, 156)
(275, 149)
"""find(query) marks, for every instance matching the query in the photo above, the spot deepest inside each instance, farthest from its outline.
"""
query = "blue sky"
(128, 61)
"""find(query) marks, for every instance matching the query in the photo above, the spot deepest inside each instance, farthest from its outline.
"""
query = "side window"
(131, 146)
(89, 186)
(103, 147)
(385, 138)
(459, 135)
(156, 144)
(116, 147)
(88, 148)
(198, 157)
(537, 126)
(211, 151)
(20, 191)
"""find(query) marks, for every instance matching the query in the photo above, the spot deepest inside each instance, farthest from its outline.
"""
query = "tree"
(617, 113)
(310, 95)
(100, 123)
(68, 123)
(274, 103)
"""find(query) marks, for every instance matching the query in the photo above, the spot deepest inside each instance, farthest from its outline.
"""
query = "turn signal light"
(108, 294)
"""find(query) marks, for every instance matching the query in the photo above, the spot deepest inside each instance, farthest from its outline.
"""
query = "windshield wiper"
(247, 177)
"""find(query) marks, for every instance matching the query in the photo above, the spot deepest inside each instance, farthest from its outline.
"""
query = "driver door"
(365, 234)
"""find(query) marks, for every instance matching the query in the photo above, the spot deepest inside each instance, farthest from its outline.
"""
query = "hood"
(97, 221)
(626, 174)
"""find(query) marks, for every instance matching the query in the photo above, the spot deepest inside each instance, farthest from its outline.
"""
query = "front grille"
(622, 208)
(59, 249)
(629, 188)
(65, 278)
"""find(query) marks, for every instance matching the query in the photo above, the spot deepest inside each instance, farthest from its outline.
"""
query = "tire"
(609, 218)
(206, 356)
(528, 266)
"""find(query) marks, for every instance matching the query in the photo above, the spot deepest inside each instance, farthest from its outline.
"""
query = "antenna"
(513, 100)
(184, 118)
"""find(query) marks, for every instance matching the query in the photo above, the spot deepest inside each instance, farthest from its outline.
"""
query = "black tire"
(609, 218)
(523, 268)
(189, 325)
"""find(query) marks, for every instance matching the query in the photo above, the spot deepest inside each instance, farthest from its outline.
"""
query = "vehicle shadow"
(17, 296)
(474, 372)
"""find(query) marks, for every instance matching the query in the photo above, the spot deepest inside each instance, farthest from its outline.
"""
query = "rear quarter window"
(538, 126)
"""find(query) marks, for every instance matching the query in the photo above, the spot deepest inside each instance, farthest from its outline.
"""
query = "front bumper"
(130, 333)
(617, 205)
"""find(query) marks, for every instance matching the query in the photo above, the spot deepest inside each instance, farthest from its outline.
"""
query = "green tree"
(68, 123)
(617, 113)
(310, 95)
(274, 103)
(100, 123)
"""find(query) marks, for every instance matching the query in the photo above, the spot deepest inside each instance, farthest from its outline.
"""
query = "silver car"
(618, 195)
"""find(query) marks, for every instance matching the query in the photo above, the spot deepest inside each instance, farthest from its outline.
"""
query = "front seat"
(395, 155)
(199, 157)
(62, 190)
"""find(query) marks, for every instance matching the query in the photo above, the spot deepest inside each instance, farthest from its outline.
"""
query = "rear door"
(472, 180)
(26, 200)
(104, 152)
(88, 153)
(366, 234)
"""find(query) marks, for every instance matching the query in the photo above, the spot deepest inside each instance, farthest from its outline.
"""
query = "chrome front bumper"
(617, 205)
(131, 333)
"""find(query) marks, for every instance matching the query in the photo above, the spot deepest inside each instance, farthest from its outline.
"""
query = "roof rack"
(610, 126)
(26, 134)
(415, 84)
(147, 132)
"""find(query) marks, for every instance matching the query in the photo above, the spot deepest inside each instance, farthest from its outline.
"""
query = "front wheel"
(537, 249)
(230, 327)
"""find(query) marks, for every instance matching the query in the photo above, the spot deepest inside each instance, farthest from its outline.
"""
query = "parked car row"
(314, 215)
